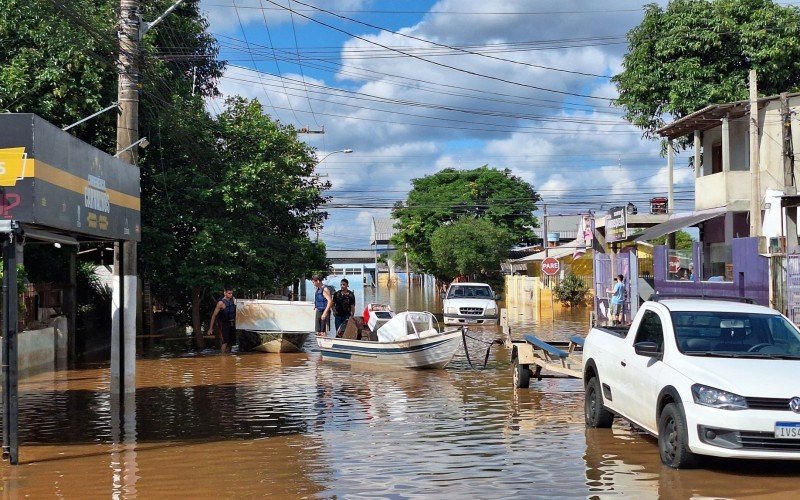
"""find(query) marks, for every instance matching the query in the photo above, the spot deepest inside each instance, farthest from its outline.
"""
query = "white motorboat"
(407, 340)
(273, 325)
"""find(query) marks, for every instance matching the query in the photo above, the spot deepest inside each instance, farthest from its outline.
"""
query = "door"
(641, 373)
(604, 280)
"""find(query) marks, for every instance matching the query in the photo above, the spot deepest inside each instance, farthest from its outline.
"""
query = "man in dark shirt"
(344, 304)
(225, 312)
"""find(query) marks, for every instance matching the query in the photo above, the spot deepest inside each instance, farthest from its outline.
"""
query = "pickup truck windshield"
(731, 334)
(471, 292)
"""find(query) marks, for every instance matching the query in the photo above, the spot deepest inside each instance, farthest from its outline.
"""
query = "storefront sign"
(616, 224)
(51, 178)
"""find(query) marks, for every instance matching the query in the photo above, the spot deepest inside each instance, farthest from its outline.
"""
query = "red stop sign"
(550, 266)
(674, 264)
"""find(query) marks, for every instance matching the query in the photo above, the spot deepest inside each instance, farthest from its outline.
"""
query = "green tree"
(59, 60)
(245, 210)
(683, 240)
(225, 199)
(53, 66)
(571, 290)
(698, 52)
(469, 247)
(441, 199)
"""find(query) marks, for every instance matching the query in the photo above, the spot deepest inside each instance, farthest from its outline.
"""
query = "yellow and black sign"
(12, 165)
(50, 178)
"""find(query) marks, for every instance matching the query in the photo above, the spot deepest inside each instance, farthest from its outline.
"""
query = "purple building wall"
(750, 274)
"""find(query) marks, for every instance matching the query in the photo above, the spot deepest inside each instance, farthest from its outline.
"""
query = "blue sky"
(416, 86)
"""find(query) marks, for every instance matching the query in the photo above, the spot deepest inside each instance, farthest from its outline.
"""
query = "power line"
(464, 51)
(443, 65)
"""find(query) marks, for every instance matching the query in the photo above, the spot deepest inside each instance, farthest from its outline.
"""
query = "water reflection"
(295, 426)
(421, 298)
(623, 459)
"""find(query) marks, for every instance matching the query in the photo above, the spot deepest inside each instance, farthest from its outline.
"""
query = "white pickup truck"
(706, 377)
(470, 304)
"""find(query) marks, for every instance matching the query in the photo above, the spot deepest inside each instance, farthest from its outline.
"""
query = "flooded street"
(292, 426)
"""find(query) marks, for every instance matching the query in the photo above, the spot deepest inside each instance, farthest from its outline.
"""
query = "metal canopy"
(710, 116)
(678, 222)
(48, 236)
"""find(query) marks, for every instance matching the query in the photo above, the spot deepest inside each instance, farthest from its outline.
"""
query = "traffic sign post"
(551, 266)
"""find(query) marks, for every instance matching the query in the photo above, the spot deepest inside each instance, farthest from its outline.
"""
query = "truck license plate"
(470, 321)
(787, 430)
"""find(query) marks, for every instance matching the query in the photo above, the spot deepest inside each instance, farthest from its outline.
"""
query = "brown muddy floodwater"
(293, 426)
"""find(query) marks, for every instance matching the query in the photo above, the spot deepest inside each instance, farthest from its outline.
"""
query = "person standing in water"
(226, 310)
(322, 305)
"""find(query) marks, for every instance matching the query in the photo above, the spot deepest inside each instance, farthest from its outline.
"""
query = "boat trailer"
(532, 355)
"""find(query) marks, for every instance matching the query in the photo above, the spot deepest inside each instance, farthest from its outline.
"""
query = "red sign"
(674, 264)
(550, 266)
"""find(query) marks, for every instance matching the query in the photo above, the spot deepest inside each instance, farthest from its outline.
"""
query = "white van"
(470, 304)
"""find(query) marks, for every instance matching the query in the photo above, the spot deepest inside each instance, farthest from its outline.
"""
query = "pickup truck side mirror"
(497, 296)
(442, 295)
(646, 349)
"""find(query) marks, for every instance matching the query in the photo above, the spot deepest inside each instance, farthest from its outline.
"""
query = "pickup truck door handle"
(623, 363)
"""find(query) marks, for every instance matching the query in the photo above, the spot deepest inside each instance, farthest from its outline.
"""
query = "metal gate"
(603, 281)
(793, 288)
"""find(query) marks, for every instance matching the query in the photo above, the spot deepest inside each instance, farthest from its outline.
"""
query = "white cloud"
(406, 117)
(229, 16)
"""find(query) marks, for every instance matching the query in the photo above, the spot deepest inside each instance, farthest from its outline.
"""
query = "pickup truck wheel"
(673, 439)
(521, 375)
(594, 411)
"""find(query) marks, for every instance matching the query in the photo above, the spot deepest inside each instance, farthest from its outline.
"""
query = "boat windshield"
(731, 334)
(469, 291)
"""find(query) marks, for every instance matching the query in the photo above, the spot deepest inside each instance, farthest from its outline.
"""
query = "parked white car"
(470, 304)
(707, 377)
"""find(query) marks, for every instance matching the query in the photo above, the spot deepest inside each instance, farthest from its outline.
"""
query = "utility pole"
(544, 233)
(755, 168)
(408, 282)
(123, 307)
(131, 29)
(670, 190)
(789, 182)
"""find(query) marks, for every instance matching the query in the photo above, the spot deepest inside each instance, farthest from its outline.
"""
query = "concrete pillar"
(698, 169)
(670, 188)
(791, 228)
(728, 228)
(726, 145)
(123, 329)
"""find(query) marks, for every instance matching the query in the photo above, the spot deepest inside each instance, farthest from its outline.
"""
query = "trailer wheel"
(594, 411)
(521, 375)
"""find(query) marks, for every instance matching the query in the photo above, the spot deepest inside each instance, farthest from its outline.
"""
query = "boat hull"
(433, 352)
(275, 342)
(273, 325)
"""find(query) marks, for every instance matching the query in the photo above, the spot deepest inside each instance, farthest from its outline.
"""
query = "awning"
(555, 252)
(679, 221)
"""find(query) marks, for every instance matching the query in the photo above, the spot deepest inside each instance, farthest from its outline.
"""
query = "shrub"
(571, 290)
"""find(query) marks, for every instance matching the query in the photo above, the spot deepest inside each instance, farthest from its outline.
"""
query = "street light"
(345, 151)
(143, 142)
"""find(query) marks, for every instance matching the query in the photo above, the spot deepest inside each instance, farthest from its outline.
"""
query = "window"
(679, 265)
(464, 291)
(716, 158)
(729, 334)
(650, 330)
(718, 262)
